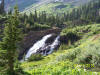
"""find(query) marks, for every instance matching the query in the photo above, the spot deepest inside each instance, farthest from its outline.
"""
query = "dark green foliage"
(81, 30)
(40, 19)
(69, 35)
(88, 13)
(85, 51)
(10, 40)
(85, 14)
(86, 60)
(37, 26)
(3, 61)
(72, 37)
(35, 57)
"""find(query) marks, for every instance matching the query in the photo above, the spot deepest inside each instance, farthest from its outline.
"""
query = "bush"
(90, 54)
(35, 57)
(61, 57)
(86, 53)
(69, 38)
(37, 26)
(63, 47)
(82, 30)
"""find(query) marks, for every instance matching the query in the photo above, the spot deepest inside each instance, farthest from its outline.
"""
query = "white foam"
(37, 45)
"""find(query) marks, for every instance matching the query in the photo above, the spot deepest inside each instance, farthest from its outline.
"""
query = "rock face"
(33, 36)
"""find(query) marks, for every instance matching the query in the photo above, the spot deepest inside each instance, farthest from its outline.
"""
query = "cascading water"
(37, 46)
(54, 45)
(43, 47)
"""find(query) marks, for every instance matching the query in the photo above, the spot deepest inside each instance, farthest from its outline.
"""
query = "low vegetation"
(35, 57)
(70, 58)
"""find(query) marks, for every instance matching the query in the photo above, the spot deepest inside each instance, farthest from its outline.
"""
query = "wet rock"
(51, 39)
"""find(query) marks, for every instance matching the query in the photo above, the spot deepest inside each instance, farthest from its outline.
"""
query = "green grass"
(59, 68)
(52, 8)
(56, 64)
(55, 7)
(52, 66)
(46, 59)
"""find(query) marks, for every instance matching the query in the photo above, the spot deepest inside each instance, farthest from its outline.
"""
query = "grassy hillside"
(56, 7)
(51, 6)
(73, 59)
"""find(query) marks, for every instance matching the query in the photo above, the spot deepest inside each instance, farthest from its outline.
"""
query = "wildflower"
(79, 69)
(78, 66)
(84, 70)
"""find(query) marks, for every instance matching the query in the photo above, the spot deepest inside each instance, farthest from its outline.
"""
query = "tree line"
(88, 13)
(85, 14)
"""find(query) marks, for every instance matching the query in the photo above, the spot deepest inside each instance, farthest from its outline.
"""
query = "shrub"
(63, 47)
(90, 54)
(87, 53)
(37, 26)
(73, 53)
(82, 30)
(69, 38)
(35, 57)
(3, 60)
(61, 57)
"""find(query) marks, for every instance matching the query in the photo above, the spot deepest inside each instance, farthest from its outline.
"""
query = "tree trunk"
(11, 65)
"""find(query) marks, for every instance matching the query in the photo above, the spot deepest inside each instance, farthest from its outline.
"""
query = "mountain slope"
(43, 5)
(55, 6)
(22, 4)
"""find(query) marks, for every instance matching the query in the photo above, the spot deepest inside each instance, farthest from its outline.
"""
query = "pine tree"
(35, 16)
(10, 40)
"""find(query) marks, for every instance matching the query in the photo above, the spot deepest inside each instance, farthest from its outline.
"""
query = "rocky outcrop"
(33, 36)
(69, 38)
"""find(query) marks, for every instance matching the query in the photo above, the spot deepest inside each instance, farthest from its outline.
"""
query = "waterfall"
(54, 45)
(37, 46)
(42, 47)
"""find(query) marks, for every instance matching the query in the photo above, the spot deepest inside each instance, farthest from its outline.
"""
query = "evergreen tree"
(10, 40)
(35, 16)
